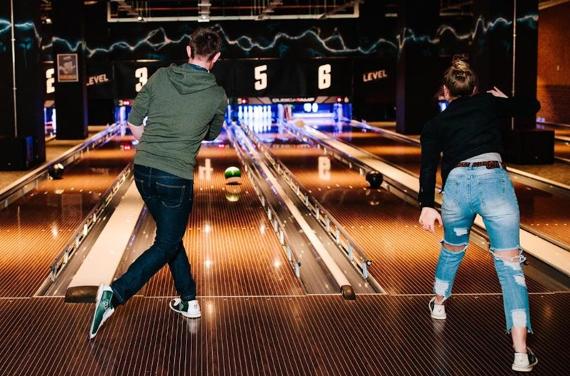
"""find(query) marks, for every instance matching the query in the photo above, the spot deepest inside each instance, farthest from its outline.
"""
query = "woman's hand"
(428, 218)
(497, 93)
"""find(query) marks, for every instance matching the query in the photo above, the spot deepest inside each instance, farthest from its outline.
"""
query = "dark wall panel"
(21, 69)
(554, 64)
(70, 96)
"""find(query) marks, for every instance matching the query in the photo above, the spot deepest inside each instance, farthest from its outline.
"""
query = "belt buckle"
(493, 164)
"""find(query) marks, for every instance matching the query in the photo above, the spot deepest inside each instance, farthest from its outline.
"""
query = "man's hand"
(428, 218)
(497, 93)
(137, 131)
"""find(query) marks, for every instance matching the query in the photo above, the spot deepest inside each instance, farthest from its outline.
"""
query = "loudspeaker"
(529, 146)
(17, 153)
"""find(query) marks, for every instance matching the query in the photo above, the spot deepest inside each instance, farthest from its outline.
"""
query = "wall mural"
(317, 41)
(376, 47)
(28, 35)
(323, 41)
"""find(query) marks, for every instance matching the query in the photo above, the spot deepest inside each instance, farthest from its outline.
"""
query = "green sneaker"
(103, 309)
(187, 308)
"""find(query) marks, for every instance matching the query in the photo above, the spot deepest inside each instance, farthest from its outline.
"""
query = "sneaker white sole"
(524, 368)
(435, 315)
(186, 314)
(438, 317)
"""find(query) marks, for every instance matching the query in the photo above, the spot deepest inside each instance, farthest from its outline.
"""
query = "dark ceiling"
(206, 10)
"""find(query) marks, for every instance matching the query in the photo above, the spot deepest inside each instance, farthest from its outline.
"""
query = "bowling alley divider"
(353, 252)
(256, 161)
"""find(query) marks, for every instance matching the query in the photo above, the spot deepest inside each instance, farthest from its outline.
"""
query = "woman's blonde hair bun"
(459, 78)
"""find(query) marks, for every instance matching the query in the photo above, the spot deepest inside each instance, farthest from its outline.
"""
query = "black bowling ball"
(56, 171)
(375, 179)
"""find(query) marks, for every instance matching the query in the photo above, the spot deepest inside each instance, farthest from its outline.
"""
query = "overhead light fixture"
(340, 8)
(269, 8)
(204, 11)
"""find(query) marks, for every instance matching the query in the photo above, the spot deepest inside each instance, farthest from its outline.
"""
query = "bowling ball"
(233, 192)
(375, 179)
(56, 171)
(299, 123)
(232, 175)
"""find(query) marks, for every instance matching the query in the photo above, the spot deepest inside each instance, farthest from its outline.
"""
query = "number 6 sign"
(325, 80)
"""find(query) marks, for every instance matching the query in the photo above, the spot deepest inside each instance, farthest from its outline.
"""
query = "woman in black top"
(467, 136)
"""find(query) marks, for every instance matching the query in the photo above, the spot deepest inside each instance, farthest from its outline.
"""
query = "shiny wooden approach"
(256, 318)
(310, 335)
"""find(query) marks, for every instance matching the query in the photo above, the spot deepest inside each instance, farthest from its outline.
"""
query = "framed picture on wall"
(67, 70)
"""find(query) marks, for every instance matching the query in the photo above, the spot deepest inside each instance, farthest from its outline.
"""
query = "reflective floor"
(256, 317)
(311, 335)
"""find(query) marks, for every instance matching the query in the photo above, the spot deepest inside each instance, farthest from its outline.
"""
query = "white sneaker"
(437, 310)
(189, 309)
(524, 362)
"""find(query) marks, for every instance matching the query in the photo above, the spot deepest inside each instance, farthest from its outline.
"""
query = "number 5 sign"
(284, 78)
(260, 74)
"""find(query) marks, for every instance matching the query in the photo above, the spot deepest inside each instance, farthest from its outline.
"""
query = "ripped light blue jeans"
(488, 192)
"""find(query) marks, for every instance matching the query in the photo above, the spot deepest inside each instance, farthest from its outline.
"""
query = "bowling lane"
(229, 240)
(542, 212)
(563, 132)
(404, 256)
(35, 228)
(562, 149)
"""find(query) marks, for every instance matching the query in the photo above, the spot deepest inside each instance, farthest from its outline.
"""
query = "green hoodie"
(184, 106)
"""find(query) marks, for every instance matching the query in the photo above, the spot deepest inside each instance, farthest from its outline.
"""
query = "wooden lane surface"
(313, 335)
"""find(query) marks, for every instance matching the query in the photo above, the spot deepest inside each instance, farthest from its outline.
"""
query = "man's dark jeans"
(169, 200)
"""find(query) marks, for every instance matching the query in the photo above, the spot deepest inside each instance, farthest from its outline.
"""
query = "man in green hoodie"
(183, 106)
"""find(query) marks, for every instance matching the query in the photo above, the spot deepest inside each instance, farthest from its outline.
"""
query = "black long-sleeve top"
(468, 127)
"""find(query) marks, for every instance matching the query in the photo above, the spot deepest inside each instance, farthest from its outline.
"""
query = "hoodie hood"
(188, 80)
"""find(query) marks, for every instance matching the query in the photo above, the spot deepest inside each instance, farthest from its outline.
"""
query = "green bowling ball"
(232, 175)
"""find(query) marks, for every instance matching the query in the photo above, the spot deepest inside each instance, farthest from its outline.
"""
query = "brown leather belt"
(488, 164)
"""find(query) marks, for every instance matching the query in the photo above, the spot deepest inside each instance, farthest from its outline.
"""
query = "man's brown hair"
(205, 42)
